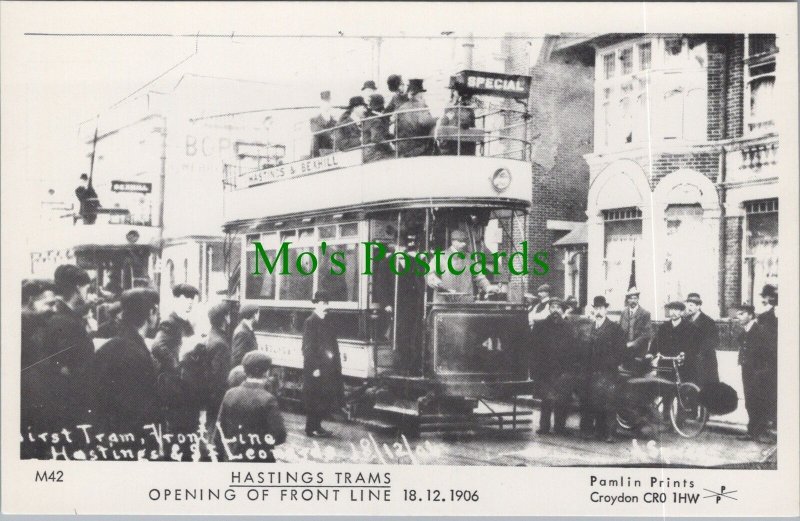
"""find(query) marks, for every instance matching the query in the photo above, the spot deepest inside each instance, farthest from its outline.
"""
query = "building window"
(645, 56)
(673, 48)
(760, 44)
(761, 252)
(760, 77)
(685, 243)
(626, 60)
(341, 239)
(608, 66)
(672, 125)
(622, 231)
(171, 273)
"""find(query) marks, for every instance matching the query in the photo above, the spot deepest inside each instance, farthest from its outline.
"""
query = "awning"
(578, 236)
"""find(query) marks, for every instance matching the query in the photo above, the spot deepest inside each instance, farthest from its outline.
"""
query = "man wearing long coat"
(323, 386)
(635, 322)
(705, 339)
(554, 360)
(123, 372)
(600, 364)
(759, 361)
(415, 124)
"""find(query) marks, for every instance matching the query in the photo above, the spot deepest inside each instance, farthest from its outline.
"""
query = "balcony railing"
(753, 156)
(376, 136)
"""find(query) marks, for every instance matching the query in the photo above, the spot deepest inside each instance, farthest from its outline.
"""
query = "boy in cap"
(249, 409)
(323, 387)
(758, 360)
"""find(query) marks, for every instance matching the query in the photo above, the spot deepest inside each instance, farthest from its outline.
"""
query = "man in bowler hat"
(600, 364)
(415, 124)
(376, 132)
(323, 387)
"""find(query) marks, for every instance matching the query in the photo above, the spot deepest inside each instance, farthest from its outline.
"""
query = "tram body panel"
(436, 179)
(358, 358)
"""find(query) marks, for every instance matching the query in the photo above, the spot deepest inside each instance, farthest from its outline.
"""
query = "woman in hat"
(415, 124)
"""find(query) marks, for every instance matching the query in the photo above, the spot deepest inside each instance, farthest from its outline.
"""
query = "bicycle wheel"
(688, 415)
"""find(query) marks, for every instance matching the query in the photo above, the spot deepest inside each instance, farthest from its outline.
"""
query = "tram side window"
(344, 287)
(295, 285)
(260, 286)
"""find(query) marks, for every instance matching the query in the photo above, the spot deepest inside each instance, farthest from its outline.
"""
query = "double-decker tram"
(414, 353)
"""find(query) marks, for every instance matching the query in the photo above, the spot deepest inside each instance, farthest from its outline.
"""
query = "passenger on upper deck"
(415, 124)
(458, 286)
(322, 142)
(397, 88)
(348, 135)
(376, 132)
(368, 89)
(460, 115)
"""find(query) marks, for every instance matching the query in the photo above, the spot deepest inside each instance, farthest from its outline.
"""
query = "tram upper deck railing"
(377, 139)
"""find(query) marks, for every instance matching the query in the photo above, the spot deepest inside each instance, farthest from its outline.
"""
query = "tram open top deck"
(492, 176)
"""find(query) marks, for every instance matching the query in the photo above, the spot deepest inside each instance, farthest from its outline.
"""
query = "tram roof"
(341, 182)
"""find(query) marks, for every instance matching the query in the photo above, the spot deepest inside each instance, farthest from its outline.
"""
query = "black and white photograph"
(389, 246)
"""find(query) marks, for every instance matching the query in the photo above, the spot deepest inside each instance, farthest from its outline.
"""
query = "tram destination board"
(401, 259)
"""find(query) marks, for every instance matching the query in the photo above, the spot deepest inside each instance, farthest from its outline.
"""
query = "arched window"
(171, 273)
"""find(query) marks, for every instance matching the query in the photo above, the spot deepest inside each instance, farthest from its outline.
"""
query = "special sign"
(492, 84)
(300, 168)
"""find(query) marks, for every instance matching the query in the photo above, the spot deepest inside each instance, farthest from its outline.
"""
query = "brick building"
(683, 181)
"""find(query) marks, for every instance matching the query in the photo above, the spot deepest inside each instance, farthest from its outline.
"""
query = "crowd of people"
(403, 128)
(588, 356)
(213, 382)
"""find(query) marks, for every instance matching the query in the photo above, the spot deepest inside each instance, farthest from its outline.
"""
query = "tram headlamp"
(501, 179)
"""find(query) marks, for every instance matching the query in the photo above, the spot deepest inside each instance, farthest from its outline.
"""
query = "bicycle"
(643, 404)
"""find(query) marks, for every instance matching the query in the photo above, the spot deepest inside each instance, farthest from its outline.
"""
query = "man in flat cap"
(457, 285)
(322, 136)
(769, 319)
(123, 372)
(368, 89)
(218, 352)
(554, 356)
(348, 134)
(600, 368)
(244, 337)
(250, 409)
(541, 310)
(68, 345)
(415, 124)
(704, 339)
(759, 361)
(323, 387)
(635, 322)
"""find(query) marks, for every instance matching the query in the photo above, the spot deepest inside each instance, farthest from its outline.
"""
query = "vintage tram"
(411, 356)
